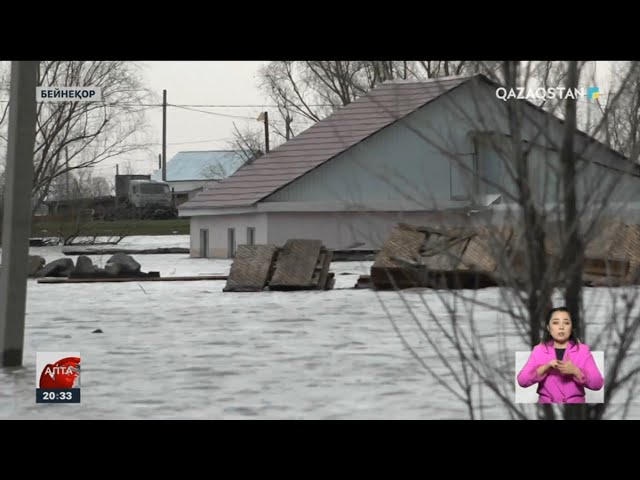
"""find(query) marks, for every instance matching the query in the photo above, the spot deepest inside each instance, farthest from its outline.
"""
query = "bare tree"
(79, 184)
(2, 183)
(101, 187)
(621, 130)
(4, 110)
(307, 91)
(77, 135)
(249, 143)
(127, 168)
(222, 169)
(556, 200)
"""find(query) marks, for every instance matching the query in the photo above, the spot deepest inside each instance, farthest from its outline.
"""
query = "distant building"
(189, 172)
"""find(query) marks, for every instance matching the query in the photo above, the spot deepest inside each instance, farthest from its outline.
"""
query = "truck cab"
(137, 196)
(147, 193)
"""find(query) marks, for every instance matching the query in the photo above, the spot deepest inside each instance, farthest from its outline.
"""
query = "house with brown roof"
(407, 151)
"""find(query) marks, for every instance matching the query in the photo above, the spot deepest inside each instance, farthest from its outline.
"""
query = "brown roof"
(331, 136)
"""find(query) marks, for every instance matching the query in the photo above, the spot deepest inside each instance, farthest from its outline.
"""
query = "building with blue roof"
(190, 172)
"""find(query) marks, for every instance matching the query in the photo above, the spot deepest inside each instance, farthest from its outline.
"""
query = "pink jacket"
(554, 387)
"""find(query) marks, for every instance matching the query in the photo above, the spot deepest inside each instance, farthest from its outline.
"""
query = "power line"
(198, 141)
(187, 105)
(272, 105)
(218, 105)
(214, 113)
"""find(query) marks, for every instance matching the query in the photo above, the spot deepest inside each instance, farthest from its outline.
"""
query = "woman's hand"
(542, 369)
(568, 368)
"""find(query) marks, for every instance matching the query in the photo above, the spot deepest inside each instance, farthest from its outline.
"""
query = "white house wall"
(343, 230)
(218, 226)
(188, 185)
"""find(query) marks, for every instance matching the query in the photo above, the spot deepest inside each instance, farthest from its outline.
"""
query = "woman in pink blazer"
(561, 366)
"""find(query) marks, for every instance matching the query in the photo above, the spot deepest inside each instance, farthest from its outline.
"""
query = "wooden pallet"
(297, 265)
(251, 268)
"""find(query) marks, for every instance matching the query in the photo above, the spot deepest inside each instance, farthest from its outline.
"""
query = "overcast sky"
(195, 83)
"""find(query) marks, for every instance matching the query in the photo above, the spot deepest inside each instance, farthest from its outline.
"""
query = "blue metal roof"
(204, 165)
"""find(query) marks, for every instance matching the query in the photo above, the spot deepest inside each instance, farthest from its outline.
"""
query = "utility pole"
(164, 135)
(66, 164)
(266, 132)
(159, 161)
(16, 225)
(287, 125)
(265, 117)
(116, 185)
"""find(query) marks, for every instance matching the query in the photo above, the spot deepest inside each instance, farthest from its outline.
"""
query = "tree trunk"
(574, 245)
(574, 251)
(537, 286)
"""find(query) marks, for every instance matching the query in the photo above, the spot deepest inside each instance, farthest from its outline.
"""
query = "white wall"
(530, 395)
(218, 227)
(340, 230)
(188, 185)
(337, 230)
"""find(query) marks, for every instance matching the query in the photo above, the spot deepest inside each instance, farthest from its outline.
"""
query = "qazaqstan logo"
(521, 93)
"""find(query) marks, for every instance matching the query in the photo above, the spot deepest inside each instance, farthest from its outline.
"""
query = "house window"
(231, 242)
(462, 177)
(490, 168)
(251, 236)
(496, 168)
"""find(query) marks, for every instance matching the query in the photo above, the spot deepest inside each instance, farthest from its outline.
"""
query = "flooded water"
(187, 350)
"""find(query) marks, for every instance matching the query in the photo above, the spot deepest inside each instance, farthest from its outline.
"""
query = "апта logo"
(58, 377)
(593, 93)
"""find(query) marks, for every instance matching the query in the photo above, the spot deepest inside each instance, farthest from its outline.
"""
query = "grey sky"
(195, 83)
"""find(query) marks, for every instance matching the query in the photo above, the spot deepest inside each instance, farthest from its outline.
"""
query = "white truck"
(137, 196)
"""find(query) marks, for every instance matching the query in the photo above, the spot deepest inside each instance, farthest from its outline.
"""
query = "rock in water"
(58, 268)
(126, 262)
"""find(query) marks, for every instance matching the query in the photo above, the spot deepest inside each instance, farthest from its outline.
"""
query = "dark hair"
(546, 336)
